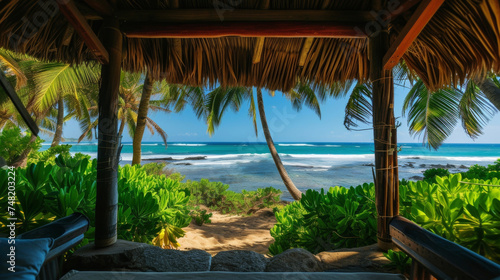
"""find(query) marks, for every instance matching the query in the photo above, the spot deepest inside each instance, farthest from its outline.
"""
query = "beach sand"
(231, 232)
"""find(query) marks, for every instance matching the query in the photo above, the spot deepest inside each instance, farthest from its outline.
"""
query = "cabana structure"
(270, 44)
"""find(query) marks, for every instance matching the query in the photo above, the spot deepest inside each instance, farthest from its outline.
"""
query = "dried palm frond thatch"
(461, 41)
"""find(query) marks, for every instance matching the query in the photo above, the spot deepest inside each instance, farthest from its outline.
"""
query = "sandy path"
(228, 232)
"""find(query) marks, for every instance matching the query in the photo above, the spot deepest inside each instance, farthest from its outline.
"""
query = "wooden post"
(386, 164)
(108, 145)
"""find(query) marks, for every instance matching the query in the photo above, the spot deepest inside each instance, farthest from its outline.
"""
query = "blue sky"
(286, 125)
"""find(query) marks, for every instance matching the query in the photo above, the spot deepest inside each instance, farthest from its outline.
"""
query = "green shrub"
(340, 218)
(399, 261)
(13, 143)
(216, 196)
(482, 172)
(49, 156)
(461, 210)
(201, 217)
(430, 174)
(152, 209)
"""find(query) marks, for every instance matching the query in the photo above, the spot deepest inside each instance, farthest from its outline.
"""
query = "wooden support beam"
(108, 139)
(174, 4)
(243, 15)
(257, 51)
(305, 50)
(410, 32)
(385, 141)
(11, 93)
(100, 6)
(242, 29)
(79, 23)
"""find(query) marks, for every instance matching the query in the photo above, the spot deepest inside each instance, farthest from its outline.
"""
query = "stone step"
(116, 275)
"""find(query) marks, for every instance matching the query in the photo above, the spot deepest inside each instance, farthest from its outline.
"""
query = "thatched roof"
(461, 40)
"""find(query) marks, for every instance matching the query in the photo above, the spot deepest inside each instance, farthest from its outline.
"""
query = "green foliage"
(13, 143)
(49, 156)
(152, 209)
(217, 196)
(430, 174)
(340, 218)
(468, 214)
(399, 260)
(465, 211)
(483, 172)
(201, 217)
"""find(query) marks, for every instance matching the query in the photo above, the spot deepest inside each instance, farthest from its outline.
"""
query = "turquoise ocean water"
(310, 165)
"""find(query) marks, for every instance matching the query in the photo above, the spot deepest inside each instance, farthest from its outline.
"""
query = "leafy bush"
(200, 217)
(151, 208)
(158, 168)
(216, 196)
(430, 174)
(461, 210)
(340, 218)
(13, 143)
(399, 261)
(482, 172)
(49, 156)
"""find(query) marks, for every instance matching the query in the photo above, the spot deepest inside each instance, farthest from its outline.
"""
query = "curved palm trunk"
(122, 128)
(296, 193)
(60, 122)
(491, 90)
(142, 115)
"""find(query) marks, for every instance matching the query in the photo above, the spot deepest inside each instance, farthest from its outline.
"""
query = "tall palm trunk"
(296, 193)
(60, 122)
(142, 114)
(491, 90)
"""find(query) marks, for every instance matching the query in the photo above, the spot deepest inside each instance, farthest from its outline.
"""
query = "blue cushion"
(29, 256)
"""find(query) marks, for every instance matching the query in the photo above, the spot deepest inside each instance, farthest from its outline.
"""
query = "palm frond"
(475, 110)
(432, 115)
(160, 131)
(359, 106)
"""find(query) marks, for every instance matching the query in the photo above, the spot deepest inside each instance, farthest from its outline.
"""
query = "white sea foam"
(187, 145)
(447, 158)
(236, 155)
(221, 162)
(299, 164)
(332, 156)
(296, 145)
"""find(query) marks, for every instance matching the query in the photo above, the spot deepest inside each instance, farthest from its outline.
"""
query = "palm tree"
(169, 95)
(290, 186)
(434, 115)
(491, 88)
(133, 107)
(59, 84)
(221, 99)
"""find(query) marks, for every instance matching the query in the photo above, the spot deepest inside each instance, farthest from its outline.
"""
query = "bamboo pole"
(386, 181)
(108, 143)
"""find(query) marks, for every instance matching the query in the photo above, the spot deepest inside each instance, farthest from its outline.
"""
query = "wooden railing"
(437, 258)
